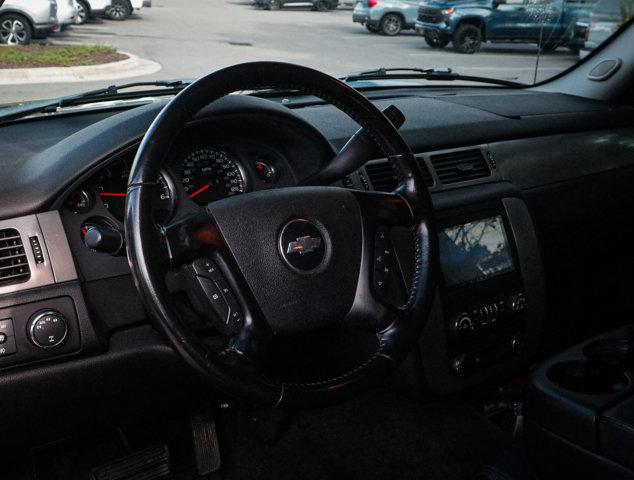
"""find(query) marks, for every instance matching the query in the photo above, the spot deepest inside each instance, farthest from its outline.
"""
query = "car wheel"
(119, 10)
(574, 49)
(372, 28)
(391, 24)
(322, 6)
(467, 39)
(434, 40)
(15, 30)
(274, 5)
(83, 12)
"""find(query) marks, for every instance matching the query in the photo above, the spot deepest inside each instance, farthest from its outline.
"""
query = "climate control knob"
(47, 329)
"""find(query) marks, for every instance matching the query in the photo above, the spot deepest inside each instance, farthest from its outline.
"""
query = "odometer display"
(209, 174)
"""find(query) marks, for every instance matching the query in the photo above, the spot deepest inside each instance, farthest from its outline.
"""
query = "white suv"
(91, 9)
(66, 13)
(122, 9)
(23, 20)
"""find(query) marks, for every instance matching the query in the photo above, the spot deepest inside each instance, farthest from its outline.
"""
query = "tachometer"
(209, 174)
(112, 185)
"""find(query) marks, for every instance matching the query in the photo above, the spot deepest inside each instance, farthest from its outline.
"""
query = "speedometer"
(209, 174)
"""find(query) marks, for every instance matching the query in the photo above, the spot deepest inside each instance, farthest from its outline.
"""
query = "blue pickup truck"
(468, 23)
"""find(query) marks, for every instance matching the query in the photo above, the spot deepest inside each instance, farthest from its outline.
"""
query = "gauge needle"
(111, 194)
(200, 190)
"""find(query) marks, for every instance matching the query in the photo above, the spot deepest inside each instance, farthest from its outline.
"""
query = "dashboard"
(528, 210)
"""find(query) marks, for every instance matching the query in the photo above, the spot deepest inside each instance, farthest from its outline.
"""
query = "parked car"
(319, 5)
(579, 35)
(66, 14)
(91, 9)
(468, 23)
(122, 9)
(388, 17)
(23, 20)
(604, 20)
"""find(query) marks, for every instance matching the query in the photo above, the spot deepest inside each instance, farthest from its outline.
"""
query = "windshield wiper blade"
(442, 74)
(112, 91)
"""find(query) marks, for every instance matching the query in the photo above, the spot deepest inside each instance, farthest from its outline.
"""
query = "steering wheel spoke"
(189, 235)
(383, 209)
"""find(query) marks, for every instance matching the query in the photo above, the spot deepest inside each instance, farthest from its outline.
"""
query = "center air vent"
(460, 166)
(384, 179)
(14, 265)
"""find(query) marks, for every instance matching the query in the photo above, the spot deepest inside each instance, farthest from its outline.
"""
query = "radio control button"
(463, 326)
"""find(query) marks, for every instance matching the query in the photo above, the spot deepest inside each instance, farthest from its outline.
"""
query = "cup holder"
(584, 376)
(612, 353)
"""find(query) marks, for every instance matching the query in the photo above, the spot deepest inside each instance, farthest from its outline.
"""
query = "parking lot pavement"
(190, 38)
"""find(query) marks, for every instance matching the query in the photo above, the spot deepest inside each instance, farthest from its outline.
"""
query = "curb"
(130, 67)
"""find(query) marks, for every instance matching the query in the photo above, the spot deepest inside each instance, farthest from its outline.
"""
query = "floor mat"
(376, 436)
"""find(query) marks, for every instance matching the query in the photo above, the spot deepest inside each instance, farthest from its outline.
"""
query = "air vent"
(14, 266)
(460, 166)
(384, 179)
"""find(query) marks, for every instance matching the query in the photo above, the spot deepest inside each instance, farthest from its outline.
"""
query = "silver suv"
(23, 20)
(388, 17)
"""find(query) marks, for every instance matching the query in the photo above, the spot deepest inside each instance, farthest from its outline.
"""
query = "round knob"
(463, 326)
(103, 239)
(47, 329)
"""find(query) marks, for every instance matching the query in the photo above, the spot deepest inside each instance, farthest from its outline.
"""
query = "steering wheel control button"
(47, 329)
(386, 277)
(203, 267)
(224, 306)
(302, 245)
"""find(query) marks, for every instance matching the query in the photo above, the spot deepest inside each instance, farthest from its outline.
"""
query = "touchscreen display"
(475, 251)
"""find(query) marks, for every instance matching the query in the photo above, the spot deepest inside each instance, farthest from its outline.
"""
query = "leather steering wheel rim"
(146, 242)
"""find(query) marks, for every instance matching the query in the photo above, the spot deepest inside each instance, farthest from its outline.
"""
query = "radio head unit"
(482, 290)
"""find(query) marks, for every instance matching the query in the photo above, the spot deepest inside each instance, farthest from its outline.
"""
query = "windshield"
(64, 47)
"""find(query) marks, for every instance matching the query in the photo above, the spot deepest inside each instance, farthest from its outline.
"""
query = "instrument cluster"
(195, 172)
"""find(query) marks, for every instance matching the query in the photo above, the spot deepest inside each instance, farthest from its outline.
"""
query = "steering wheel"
(287, 262)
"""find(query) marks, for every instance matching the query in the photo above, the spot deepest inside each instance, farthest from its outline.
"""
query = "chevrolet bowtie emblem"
(303, 245)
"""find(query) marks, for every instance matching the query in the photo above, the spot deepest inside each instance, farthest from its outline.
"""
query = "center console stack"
(487, 317)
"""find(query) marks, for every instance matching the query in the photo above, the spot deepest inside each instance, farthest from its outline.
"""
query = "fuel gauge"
(266, 171)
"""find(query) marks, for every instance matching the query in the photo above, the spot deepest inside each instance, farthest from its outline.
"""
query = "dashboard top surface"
(46, 156)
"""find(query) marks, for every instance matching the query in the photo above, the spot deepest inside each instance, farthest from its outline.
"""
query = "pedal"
(149, 464)
(205, 439)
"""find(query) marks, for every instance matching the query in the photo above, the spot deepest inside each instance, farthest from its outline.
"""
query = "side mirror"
(497, 3)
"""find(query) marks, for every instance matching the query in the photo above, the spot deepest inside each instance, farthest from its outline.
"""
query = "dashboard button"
(9, 347)
(6, 327)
